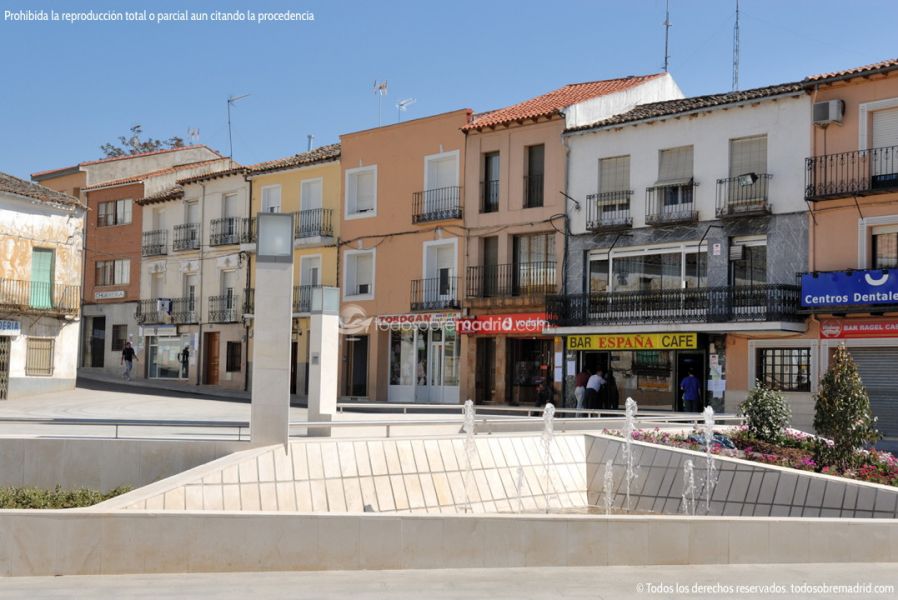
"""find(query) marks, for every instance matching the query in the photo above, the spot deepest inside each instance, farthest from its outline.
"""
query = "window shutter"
(885, 128)
(614, 174)
(364, 189)
(311, 194)
(675, 165)
(748, 155)
(41, 277)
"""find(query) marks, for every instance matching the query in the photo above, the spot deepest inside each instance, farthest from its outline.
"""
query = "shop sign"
(416, 321)
(10, 328)
(634, 341)
(849, 328)
(846, 288)
(520, 324)
(159, 331)
(109, 294)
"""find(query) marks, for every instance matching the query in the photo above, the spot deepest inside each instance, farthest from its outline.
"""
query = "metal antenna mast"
(736, 50)
(311, 140)
(232, 100)
(666, 35)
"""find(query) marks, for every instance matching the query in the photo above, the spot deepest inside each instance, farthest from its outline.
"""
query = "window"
(191, 287)
(231, 206)
(39, 356)
(192, 212)
(637, 271)
(359, 273)
(361, 192)
(116, 212)
(489, 201)
(310, 193)
(41, 277)
(119, 336)
(885, 247)
(614, 174)
(533, 182)
(675, 176)
(113, 272)
(534, 248)
(271, 199)
(784, 369)
(233, 353)
(748, 264)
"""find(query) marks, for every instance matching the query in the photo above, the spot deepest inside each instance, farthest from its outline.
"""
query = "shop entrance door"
(293, 367)
(486, 371)
(212, 359)
(355, 366)
(97, 341)
(695, 362)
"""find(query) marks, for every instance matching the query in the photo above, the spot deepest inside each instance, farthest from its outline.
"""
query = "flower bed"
(31, 497)
(795, 451)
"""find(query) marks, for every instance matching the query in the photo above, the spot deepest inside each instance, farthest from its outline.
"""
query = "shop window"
(885, 249)
(784, 369)
(119, 336)
(39, 356)
(233, 354)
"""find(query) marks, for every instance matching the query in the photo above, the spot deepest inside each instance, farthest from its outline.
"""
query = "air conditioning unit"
(828, 112)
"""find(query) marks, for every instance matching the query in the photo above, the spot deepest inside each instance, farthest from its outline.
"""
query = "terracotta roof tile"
(318, 155)
(175, 192)
(125, 157)
(214, 175)
(890, 64)
(35, 191)
(145, 176)
(555, 101)
(655, 110)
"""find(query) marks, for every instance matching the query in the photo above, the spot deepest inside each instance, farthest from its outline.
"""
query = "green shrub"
(842, 413)
(31, 497)
(767, 413)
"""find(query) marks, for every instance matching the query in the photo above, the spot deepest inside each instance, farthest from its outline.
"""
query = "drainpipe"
(249, 267)
(199, 339)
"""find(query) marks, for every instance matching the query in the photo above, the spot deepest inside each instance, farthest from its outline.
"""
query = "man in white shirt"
(595, 383)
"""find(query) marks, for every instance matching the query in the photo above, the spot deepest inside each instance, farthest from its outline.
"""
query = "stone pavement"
(596, 583)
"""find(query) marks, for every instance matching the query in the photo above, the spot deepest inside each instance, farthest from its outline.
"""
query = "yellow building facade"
(308, 185)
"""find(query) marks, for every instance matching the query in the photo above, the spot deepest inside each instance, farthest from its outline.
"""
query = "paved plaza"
(596, 583)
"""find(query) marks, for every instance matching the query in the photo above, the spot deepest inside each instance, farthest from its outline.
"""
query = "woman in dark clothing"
(613, 394)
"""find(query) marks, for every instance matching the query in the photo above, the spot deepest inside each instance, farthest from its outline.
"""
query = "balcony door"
(885, 138)
(229, 283)
(310, 270)
(41, 278)
(191, 289)
(439, 271)
(310, 193)
(534, 264)
(440, 181)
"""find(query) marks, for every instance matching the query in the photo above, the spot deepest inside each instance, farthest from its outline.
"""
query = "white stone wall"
(130, 166)
(596, 109)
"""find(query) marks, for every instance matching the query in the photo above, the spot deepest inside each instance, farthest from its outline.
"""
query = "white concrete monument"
(324, 343)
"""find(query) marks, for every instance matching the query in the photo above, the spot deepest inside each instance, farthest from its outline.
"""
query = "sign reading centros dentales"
(845, 288)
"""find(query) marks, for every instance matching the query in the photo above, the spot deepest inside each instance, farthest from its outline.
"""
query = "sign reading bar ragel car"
(846, 288)
(634, 341)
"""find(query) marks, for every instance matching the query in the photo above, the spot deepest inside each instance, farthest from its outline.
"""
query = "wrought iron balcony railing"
(39, 297)
(743, 195)
(608, 211)
(313, 222)
(769, 302)
(533, 191)
(232, 230)
(434, 293)
(154, 242)
(671, 203)
(225, 308)
(180, 311)
(858, 173)
(187, 237)
(509, 280)
(439, 204)
(489, 196)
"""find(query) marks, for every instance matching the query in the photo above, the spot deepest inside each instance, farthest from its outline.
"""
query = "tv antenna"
(231, 101)
(311, 140)
(736, 50)
(402, 106)
(193, 135)
(380, 90)
(666, 35)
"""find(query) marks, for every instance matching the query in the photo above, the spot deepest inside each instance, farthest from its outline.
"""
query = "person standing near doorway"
(128, 358)
(580, 382)
(184, 356)
(592, 390)
(692, 393)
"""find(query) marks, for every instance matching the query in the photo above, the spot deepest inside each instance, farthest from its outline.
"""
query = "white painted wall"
(785, 121)
(597, 109)
(127, 167)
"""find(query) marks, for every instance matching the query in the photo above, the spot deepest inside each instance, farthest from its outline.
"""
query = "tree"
(134, 145)
(842, 412)
(766, 413)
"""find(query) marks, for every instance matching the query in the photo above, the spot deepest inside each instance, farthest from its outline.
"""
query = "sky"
(70, 87)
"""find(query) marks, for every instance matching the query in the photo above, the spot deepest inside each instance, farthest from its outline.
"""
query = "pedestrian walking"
(128, 358)
(592, 390)
(184, 356)
(580, 382)
(692, 393)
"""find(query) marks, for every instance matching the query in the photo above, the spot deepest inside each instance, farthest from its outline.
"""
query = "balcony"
(435, 293)
(40, 298)
(232, 230)
(313, 223)
(762, 303)
(187, 237)
(225, 309)
(439, 204)
(859, 173)
(671, 203)
(743, 195)
(154, 243)
(511, 280)
(178, 311)
(489, 196)
(533, 191)
(608, 211)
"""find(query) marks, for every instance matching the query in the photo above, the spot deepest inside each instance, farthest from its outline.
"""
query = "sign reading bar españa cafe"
(634, 341)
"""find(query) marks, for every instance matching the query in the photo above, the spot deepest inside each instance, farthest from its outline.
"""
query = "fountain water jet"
(548, 435)
(519, 486)
(630, 408)
(470, 449)
(687, 506)
(608, 487)
(710, 471)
